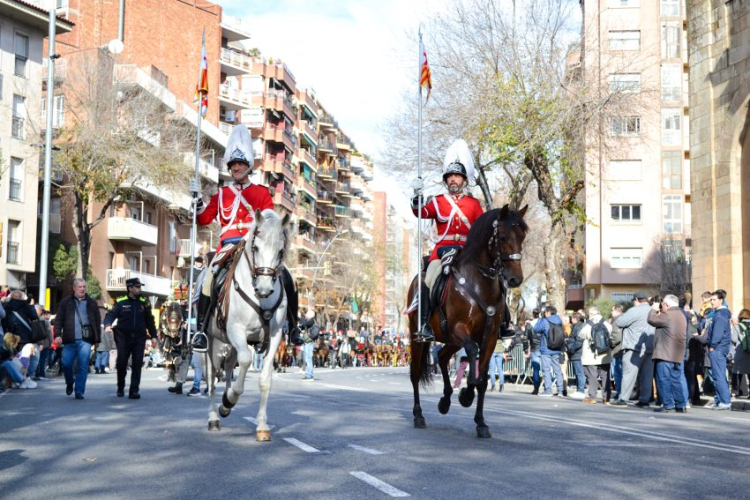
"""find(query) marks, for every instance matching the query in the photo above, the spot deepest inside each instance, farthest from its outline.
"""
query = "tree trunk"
(485, 188)
(553, 273)
(82, 232)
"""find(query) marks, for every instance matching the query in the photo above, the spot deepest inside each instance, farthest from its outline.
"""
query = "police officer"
(134, 322)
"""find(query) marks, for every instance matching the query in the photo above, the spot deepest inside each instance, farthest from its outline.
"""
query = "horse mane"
(482, 229)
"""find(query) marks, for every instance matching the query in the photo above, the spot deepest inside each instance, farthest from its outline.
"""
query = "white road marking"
(366, 450)
(735, 418)
(302, 446)
(255, 422)
(377, 483)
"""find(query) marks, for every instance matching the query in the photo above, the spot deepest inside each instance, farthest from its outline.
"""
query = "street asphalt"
(349, 435)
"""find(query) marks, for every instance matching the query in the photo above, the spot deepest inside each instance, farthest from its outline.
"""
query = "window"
(671, 82)
(671, 169)
(671, 119)
(625, 125)
(58, 112)
(133, 263)
(672, 250)
(626, 258)
(19, 113)
(625, 40)
(14, 242)
(22, 54)
(16, 179)
(1, 87)
(671, 35)
(670, 8)
(626, 213)
(626, 83)
(148, 218)
(622, 297)
(672, 213)
(625, 170)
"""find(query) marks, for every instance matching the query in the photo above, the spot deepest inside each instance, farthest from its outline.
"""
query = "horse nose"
(514, 282)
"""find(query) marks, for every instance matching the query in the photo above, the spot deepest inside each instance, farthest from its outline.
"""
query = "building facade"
(637, 159)
(720, 147)
(23, 28)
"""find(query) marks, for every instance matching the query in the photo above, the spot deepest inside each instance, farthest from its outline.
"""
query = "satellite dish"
(115, 46)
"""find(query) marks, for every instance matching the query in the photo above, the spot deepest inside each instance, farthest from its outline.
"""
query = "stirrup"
(199, 343)
(425, 335)
(295, 337)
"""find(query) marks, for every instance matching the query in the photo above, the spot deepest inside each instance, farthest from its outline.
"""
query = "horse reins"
(497, 266)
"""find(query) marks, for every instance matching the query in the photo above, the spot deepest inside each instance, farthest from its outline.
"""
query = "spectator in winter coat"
(550, 358)
(595, 365)
(741, 365)
(719, 341)
(574, 348)
(669, 352)
(616, 338)
(637, 351)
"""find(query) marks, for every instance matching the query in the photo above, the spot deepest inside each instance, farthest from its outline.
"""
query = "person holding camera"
(310, 332)
(78, 324)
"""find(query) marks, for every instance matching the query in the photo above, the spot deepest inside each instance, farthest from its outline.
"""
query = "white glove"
(195, 188)
(417, 185)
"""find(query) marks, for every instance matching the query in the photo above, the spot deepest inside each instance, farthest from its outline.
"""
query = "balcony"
(357, 186)
(574, 297)
(328, 147)
(357, 206)
(326, 224)
(234, 63)
(234, 99)
(234, 28)
(290, 109)
(343, 164)
(324, 197)
(132, 231)
(327, 121)
(173, 199)
(308, 128)
(304, 274)
(155, 82)
(226, 128)
(308, 158)
(17, 129)
(356, 227)
(343, 188)
(205, 169)
(55, 222)
(183, 248)
(152, 285)
(61, 72)
(308, 186)
(344, 212)
(284, 199)
(305, 243)
(307, 215)
(305, 99)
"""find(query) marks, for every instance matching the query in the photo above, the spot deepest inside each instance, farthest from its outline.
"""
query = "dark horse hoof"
(419, 423)
(224, 412)
(483, 432)
(466, 397)
(214, 425)
(444, 405)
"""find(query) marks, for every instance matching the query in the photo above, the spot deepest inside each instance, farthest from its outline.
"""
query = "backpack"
(573, 344)
(555, 337)
(744, 337)
(601, 342)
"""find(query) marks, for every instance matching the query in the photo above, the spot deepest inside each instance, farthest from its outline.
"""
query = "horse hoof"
(466, 398)
(419, 423)
(444, 405)
(263, 436)
(483, 432)
(224, 412)
(214, 425)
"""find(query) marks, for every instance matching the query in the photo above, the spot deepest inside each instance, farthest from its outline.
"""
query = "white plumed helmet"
(458, 160)
(239, 147)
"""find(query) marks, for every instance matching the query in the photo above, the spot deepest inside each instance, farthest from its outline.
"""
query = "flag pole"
(194, 202)
(420, 196)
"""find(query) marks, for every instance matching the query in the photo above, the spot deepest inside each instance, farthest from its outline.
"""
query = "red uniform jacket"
(452, 229)
(235, 214)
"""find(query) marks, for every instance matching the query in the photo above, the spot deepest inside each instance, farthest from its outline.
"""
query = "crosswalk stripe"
(377, 483)
(366, 450)
(302, 446)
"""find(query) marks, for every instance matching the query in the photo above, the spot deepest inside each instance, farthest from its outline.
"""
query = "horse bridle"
(255, 272)
(497, 268)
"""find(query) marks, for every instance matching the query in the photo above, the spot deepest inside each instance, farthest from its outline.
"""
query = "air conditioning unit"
(230, 116)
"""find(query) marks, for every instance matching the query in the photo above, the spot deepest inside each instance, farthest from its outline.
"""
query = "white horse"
(257, 308)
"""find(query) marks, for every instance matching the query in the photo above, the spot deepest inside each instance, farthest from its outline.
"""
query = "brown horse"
(474, 309)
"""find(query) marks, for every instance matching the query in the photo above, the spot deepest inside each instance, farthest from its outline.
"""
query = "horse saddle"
(439, 286)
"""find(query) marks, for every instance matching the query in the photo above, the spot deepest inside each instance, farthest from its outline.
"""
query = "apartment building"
(720, 147)
(637, 193)
(397, 274)
(146, 231)
(23, 28)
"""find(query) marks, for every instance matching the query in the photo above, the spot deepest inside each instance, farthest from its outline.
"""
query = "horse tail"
(425, 375)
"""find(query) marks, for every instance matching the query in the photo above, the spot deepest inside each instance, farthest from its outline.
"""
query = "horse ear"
(504, 211)
(522, 212)
(257, 217)
(285, 220)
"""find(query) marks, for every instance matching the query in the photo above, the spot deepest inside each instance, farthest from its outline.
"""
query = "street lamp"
(320, 259)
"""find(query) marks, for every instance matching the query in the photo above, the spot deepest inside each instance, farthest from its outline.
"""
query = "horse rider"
(453, 212)
(234, 206)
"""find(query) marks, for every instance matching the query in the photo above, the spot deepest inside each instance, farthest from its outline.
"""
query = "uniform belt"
(453, 237)
(239, 226)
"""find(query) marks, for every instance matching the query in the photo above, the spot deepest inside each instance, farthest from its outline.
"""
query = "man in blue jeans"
(550, 358)
(496, 366)
(310, 334)
(534, 355)
(719, 340)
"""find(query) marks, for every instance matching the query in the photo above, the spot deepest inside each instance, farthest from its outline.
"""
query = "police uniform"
(453, 215)
(135, 322)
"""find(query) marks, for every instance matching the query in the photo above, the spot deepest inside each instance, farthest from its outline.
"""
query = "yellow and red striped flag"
(201, 90)
(425, 78)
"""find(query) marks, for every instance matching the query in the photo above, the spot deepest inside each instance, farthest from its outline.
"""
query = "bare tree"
(119, 132)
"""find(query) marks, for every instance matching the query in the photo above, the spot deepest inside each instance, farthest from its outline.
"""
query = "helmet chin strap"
(246, 173)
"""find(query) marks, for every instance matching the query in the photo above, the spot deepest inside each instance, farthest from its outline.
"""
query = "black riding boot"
(426, 334)
(292, 306)
(200, 341)
(505, 330)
